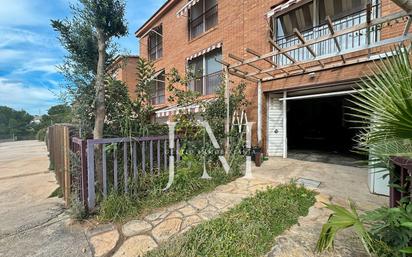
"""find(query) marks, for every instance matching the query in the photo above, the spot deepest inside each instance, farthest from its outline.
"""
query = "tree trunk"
(100, 108)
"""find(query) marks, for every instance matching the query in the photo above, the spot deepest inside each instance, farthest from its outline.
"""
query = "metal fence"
(401, 176)
(125, 160)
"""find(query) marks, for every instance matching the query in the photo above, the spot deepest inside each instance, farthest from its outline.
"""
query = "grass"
(58, 192)
(147, 194)
(249, 229)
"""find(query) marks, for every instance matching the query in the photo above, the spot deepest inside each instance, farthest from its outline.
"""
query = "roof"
(164, 8)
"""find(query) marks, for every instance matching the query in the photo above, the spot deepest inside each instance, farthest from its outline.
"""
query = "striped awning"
(175, 109)
(281, 7)
(183, 11)
(204, 51)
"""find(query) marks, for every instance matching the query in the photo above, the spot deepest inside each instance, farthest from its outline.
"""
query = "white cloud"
(30, 98)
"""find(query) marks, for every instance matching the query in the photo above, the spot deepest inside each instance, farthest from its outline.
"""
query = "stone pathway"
(338, 183)
(137, 237)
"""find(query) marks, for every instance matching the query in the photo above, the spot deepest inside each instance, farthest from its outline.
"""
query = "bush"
(77, 210)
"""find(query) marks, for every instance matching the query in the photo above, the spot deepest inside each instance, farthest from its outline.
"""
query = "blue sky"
(29, 50)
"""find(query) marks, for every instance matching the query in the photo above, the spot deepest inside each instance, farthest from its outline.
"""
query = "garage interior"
(319, 129)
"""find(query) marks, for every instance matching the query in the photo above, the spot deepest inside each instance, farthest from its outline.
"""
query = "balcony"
(352, 40)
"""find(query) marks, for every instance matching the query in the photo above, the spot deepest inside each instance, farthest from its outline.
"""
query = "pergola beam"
(253, 52)
(355, 28)
(332, 32)
(303, 41)
(378, 44)
(285, 53)
(237, 58)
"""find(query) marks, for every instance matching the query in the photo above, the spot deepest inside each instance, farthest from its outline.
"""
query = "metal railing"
(125, 160)
(347, 41)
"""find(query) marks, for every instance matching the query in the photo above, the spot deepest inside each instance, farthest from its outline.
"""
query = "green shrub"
(77, 210)
(249, 229)
(383, 232)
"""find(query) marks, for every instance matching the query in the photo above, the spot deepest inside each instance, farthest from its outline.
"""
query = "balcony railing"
(207, 85)
(348, 41)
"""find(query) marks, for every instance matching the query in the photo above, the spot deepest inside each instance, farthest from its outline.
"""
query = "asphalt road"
(31, 223)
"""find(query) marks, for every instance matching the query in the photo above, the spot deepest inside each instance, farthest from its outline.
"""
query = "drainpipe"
(259, 117)
(405, 5)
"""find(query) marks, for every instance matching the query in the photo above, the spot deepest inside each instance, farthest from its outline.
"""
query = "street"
(32, 224)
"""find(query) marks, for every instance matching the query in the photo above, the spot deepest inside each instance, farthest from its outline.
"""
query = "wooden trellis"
(241, 68)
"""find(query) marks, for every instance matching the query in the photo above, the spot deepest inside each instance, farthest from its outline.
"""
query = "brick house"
(297, 96)
(123, 68)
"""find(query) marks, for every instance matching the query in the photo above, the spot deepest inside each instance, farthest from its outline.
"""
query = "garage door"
(275, 125)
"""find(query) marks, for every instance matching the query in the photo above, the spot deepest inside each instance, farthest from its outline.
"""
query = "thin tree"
(87, 37)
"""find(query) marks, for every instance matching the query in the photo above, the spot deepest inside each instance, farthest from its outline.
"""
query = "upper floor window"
(155, 43)
(207, 72)
(309, 19)
(203, 16)
(158, 95)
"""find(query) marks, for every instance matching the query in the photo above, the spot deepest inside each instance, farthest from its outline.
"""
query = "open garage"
(317, 125)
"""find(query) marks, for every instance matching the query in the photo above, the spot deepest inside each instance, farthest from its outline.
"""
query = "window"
(339, 8)
(158, 96)
(203, 16)
(156, 43)
(300, 18)
(207, 72)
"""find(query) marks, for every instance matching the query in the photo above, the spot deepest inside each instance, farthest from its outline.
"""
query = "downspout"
(406, 5)
(259, 117)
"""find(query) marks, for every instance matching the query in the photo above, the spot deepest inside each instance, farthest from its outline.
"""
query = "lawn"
(248, 229)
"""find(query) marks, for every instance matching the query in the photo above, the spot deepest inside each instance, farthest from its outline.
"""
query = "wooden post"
(66, 164)
(259, 117)
(227, 120)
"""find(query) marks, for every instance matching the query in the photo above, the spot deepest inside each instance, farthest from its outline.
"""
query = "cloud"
(30, 98)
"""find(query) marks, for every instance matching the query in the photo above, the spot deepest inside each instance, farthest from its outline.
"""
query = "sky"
(30, 51)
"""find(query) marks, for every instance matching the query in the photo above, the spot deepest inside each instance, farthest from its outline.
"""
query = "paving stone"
(176, 206)
(199, 203)
(166, 229)
(225, 188)
(174, 214)
(104, 242)
(191, 221)
(323, 198)
(187, 210)
(155, 216)
(136, 246)
(136, 227)
(208, 213)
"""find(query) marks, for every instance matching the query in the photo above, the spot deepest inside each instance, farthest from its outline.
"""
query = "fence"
(138, 157)
(123, 160)
(58, 146)
(401, 176)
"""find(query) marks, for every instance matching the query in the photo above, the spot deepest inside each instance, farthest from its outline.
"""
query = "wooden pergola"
(317, 62)
(262, 67)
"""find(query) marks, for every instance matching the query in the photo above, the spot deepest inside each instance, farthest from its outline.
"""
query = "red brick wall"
(242, 24)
